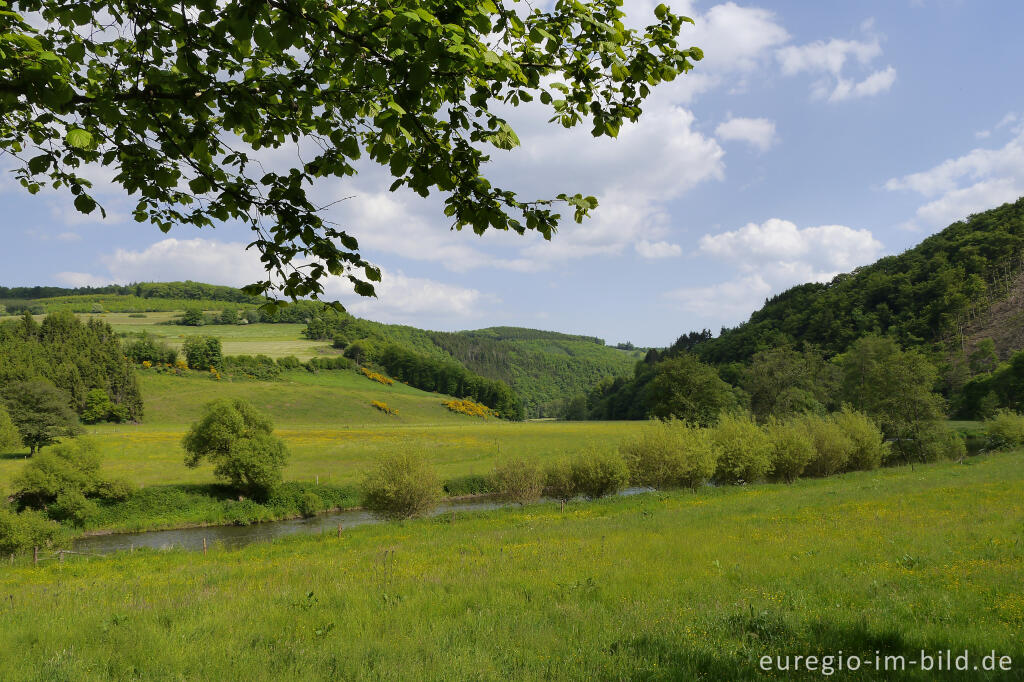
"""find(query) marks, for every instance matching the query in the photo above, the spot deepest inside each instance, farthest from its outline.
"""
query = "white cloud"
(203, 260)
(759, 132)
(725, 303)
(780, 247)
(404, 299)
(81, 279)
(771, 257)
(657, 249)
(830, 59)
(976, 181)
(878, 82)
(827, 57)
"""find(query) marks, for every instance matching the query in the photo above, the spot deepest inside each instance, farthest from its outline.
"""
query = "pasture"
(661, 586)
(332, 430)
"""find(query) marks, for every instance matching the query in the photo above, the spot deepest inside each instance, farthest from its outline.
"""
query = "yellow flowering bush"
(465, 406)
(379, 378)
(383, 407)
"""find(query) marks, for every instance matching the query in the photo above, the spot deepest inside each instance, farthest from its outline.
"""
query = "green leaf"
(81, 139)
(39, 164)
(85, 204)
(265, 41)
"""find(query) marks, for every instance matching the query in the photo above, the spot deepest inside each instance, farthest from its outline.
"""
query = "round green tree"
(41, 413)
(238, 440)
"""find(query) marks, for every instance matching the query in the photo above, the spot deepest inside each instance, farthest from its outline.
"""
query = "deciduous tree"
(178, 97)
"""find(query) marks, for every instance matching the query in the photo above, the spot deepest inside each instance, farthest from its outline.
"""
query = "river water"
(238, 536)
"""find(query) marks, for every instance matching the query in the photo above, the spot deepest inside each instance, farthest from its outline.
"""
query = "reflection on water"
(238, 536)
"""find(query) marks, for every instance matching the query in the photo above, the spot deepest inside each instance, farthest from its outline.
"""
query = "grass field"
(330, 427)
(275, 340)
(664, 586)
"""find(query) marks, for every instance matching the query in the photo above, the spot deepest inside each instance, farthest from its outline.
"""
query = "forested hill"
(546, 369)
(925, 296)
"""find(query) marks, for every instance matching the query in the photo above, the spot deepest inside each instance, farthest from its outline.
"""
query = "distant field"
(330, 427)
(275, 340)
(663, 586)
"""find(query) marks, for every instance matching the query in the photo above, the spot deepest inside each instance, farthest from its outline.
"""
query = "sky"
(815, 137)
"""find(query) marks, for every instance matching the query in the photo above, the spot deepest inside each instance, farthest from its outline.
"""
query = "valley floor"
(670, 586)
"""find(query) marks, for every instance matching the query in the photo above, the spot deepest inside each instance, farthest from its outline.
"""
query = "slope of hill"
(927, 296)
(545, 369)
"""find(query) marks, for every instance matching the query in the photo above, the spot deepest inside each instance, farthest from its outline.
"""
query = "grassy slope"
(330, 427)
(660, 586)
(275, 340)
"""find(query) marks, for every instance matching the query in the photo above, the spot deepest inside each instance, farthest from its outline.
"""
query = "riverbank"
(668, 585)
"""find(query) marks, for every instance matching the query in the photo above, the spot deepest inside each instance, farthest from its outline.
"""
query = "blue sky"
(814, 138)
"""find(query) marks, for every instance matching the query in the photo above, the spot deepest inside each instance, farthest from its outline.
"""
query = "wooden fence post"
(339, 530)
(204, 545)
(35, 556)
(60, 556)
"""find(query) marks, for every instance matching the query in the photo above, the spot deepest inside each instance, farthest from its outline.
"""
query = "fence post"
(204, 544)
(339, 530)
(60, 556)
(35, 555)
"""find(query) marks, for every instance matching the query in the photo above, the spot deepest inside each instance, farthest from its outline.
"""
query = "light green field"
(275, 340)
(330, 427)
(664, 586)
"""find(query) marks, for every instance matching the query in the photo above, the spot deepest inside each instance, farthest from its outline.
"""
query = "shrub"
(518, 480)
(936, 441)
(72, 505)
(1004, 431)
(202, 352)
(383, 407)
(310, 504)
(21, 532)
(832, 447)
(376, 376)
(402, 486)
(69, 466)
(599, 472)
(332, 363)
(792, 449)
(558, 480)
(671, 454)
(260, 367)
(144, 347)
(116, 490)
(869, 446)
(745, 452)
(98, 407)
(239, 441)
(466, 406)
(289, 362)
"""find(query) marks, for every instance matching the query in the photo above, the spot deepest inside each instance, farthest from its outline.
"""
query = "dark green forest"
(76, 357)
(925, 300)
(924, 297)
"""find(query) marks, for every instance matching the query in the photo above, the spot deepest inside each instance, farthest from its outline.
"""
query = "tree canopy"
(239, 441)
(178, 98)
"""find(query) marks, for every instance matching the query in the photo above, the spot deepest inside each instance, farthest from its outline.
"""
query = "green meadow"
(661, 586)
(332, 430)
(275, 340)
